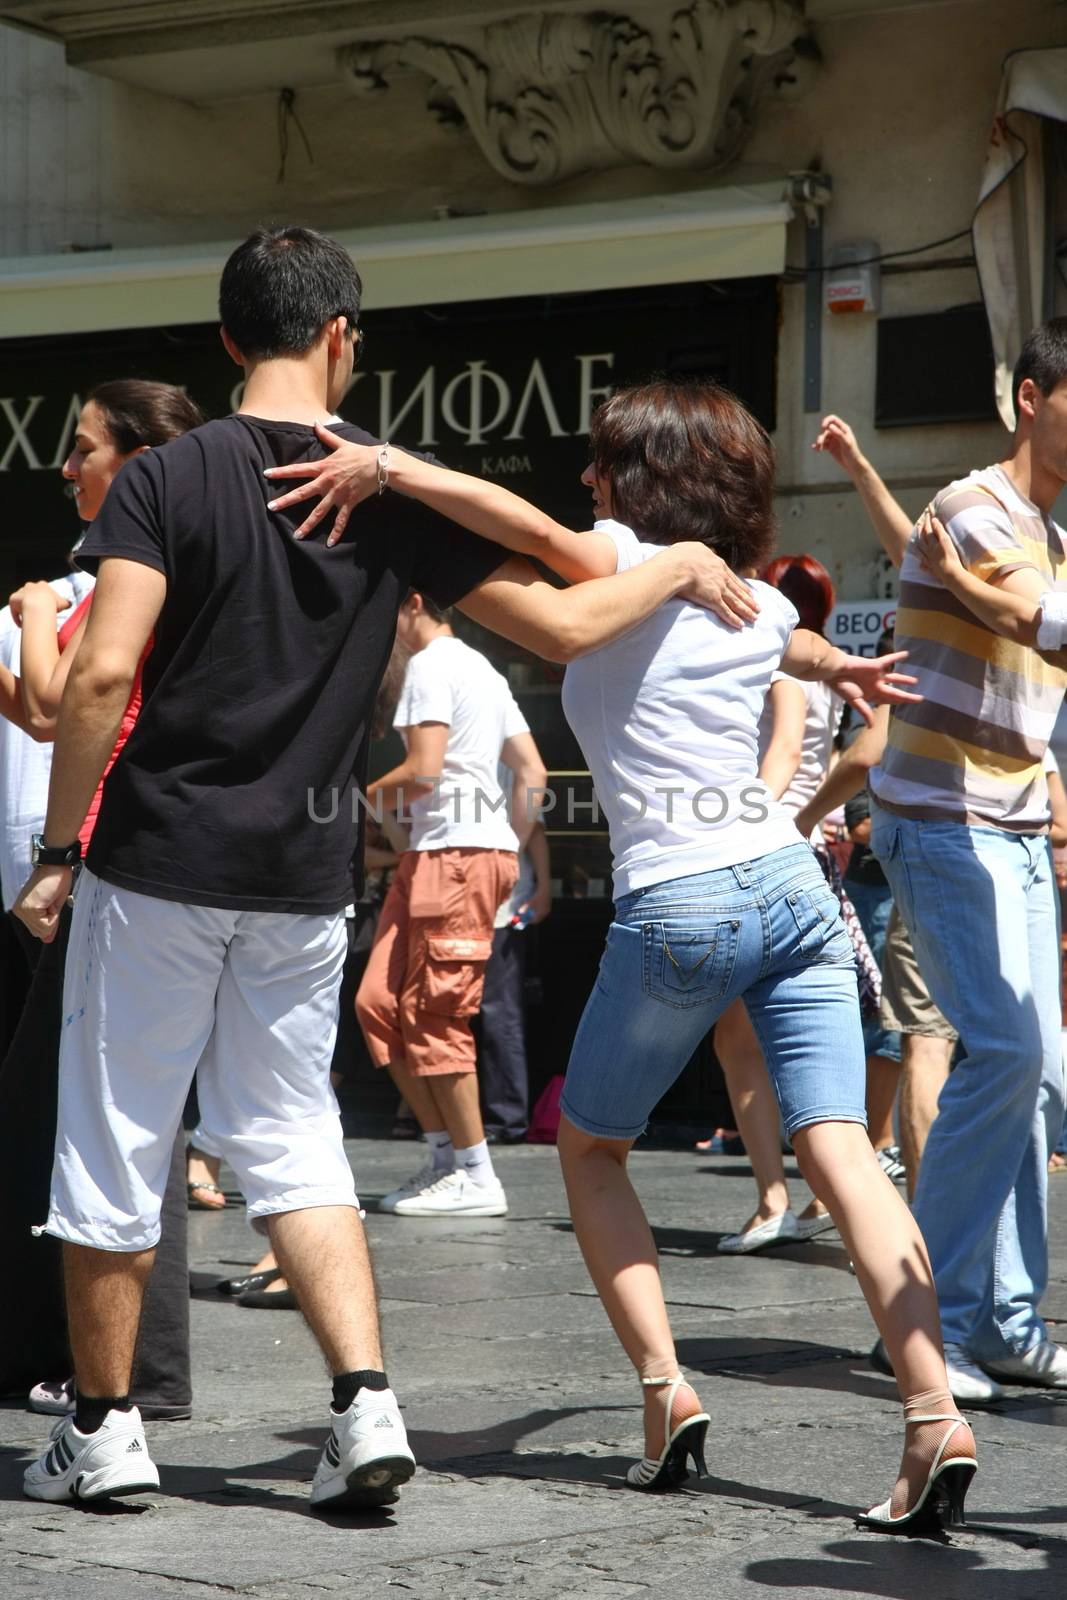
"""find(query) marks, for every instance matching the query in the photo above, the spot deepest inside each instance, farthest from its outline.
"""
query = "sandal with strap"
(669, 1470)
(945, 1488)
(207, 1188)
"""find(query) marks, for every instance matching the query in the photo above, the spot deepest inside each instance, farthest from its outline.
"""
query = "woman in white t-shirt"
(796, 738)
(716, 896)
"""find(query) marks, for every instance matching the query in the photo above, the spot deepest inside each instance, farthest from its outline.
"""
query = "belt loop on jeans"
(742, 874)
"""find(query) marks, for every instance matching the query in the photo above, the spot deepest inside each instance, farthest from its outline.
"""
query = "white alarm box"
(852, 280)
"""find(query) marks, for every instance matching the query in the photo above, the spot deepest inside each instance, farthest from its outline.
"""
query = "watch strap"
(52, 855)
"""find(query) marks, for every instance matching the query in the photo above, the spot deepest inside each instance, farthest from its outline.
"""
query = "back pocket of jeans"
(687, 965)
(820, 926)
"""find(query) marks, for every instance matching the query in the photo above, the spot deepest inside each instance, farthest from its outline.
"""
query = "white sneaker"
(891, 1164)
(426, 1175)
(781, 1229)
(52, 1398)
(1044, 1364)
(967, 1383)
(454, 1194)
(112, 1461)
(367, 1456)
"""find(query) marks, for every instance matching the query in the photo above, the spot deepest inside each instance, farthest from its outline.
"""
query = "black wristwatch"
(54, 855)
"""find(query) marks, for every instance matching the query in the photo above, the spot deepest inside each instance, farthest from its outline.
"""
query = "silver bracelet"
(383, 468)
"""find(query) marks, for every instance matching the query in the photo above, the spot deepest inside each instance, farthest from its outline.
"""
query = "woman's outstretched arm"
(351, 474)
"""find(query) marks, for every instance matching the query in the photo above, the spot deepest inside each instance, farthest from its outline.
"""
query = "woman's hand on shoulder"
(709, 582)
(339, 481)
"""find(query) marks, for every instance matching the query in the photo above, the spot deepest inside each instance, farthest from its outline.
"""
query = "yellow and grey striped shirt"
(972, 750)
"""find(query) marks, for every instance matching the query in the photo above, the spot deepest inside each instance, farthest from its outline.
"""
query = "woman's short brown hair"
(686, 460)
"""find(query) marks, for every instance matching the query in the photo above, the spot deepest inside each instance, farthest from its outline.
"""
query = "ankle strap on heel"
(656, 1383)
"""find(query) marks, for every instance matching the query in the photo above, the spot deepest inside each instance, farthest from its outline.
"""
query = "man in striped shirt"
(960, 823)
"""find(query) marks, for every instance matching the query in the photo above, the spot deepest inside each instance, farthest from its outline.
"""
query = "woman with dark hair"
(716, 895)
(117, 421)
(796, 734)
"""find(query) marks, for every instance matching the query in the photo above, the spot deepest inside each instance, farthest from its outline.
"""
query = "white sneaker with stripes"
(104, 1465)
(367, 1456)
(418, 1181)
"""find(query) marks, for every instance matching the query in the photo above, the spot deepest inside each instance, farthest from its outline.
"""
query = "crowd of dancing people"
(186, 722)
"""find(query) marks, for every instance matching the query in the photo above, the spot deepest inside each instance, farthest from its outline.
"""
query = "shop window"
(937, 367)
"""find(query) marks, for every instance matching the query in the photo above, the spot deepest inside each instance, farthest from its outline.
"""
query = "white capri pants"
(156, 991)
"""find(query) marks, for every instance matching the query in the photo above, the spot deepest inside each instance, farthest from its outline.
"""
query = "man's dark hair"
(686, 460)
(1043, 359)
(281, 287)
(430, 606)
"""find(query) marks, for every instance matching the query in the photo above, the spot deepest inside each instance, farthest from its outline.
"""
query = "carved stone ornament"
(548, 96)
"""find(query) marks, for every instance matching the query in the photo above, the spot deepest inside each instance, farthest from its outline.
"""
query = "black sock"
(92, 1409)
(347, 1385)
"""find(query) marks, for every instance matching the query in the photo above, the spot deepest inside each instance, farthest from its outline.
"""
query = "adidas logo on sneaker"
(134, 1447)
(383, 1422)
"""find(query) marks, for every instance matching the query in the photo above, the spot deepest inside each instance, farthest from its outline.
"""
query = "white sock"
(477, 1163)
(444, 1157)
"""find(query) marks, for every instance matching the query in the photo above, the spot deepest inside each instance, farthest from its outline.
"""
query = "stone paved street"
(523, 1417)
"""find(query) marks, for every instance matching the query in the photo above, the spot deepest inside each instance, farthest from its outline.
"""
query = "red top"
(129, 716)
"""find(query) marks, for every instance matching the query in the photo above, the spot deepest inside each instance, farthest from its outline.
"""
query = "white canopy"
(735, 231)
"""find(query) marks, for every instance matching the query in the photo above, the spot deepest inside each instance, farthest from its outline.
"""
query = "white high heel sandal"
(946, 1485)
(669, 1469)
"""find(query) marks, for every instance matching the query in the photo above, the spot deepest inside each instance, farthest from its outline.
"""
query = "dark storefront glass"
(503, 389)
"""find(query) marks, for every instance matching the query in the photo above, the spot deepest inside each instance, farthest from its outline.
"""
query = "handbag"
(868, 973)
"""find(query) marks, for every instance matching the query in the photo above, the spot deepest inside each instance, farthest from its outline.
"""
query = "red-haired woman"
(717, 897)
(796, 735)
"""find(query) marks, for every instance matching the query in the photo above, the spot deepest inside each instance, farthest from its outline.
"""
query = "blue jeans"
(679, 952)
(873, 903)
(980, 906)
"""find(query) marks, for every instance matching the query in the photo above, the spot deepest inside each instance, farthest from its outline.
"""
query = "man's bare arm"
(521, 754)
(563, 624)
(1010, 605)
(887, 516)
(416, 775)
(848, 774)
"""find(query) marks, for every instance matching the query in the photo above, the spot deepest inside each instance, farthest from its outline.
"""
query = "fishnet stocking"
(922, 1442)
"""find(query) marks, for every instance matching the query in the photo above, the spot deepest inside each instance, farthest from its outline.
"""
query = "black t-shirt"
(235, 788)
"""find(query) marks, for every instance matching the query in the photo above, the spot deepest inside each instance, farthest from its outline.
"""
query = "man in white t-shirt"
(426, 972)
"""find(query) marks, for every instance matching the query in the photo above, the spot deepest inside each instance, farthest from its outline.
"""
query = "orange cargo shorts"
(426, 971)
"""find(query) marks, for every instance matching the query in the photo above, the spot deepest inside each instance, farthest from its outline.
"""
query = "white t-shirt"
(451, 683)
(25, 765)
(822, 718)
(675, 705)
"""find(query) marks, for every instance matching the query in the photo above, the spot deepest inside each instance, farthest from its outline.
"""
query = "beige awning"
(736, 231)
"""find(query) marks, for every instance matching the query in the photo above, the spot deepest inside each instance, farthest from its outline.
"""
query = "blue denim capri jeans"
(679, 952)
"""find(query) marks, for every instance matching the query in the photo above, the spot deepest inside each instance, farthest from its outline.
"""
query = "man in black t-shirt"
(208, 926)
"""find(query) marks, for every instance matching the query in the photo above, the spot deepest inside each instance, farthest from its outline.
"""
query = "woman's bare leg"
(893, 1269)
(755, 1111)
(883, 1080)
(620, 1252)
